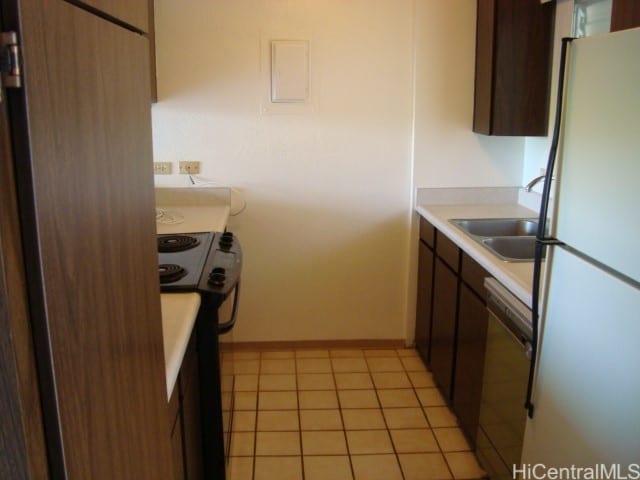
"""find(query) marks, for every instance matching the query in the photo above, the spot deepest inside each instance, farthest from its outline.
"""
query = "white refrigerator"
(586, 388)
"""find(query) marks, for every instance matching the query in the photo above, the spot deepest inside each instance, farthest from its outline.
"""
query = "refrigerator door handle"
(541, 239)
(549, 241)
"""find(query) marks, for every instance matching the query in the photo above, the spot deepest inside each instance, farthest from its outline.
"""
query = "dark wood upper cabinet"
(625, 14)
(513, 67)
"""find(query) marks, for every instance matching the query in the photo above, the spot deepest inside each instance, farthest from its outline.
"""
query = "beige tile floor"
(343, 414)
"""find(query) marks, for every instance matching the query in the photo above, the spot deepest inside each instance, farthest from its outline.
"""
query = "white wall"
(329, 234)
(447, 152)
(326, 230)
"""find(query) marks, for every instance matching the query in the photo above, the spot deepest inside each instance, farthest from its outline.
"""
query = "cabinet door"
(132, 12)
(513, 67)
(21, 430)
(192, 431)
(191, 414)
(445, 294)
(176, 449)
(625, 14)
(83, 147)
(471, 340)
(423, 306)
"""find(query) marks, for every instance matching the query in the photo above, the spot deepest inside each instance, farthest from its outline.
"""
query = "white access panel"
(289, 71)
(587, 388)
(598, 204)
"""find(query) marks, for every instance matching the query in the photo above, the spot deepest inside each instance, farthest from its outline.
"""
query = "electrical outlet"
(162, 168)
(190, 168)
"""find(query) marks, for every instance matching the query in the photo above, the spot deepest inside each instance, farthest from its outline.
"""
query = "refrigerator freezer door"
(599, 162)
(587, 387)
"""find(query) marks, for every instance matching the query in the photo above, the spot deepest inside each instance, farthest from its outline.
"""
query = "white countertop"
(179, 311)
(517, 277)
(193, 219)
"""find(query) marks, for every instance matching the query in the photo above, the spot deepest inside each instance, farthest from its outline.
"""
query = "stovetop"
(207, 262)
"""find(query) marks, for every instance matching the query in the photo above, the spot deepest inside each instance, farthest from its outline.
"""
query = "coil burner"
(176, 243)
(171, 272)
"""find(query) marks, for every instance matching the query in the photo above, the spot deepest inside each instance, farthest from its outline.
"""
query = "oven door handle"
(227, 326)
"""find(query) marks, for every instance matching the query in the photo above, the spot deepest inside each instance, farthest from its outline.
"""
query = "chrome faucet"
(534, 182)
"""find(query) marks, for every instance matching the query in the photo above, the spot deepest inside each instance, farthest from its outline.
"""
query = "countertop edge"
(512, 275)
(182, 324)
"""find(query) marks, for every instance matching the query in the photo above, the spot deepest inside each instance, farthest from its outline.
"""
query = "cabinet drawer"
(448, 251)
(473, 275)
(427, 232)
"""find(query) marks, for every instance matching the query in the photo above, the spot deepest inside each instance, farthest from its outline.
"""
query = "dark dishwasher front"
(507, 359)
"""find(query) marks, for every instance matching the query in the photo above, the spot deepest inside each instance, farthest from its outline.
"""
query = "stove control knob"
(226, 240)
(217, 277)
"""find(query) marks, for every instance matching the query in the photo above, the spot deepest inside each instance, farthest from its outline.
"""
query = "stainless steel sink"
(509, 239)
(512, 248)
(498, 227)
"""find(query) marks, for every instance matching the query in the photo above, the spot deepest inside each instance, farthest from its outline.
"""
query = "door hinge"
(9, 62)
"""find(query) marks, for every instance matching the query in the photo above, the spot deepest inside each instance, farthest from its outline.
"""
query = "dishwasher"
(504, 385)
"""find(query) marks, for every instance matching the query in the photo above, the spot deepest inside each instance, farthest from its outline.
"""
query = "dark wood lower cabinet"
(443, 328)
(191, 424)
(175, 423)
(470, 348)
(451, 323)
(176, 447)
(424, 301)
(184, 415)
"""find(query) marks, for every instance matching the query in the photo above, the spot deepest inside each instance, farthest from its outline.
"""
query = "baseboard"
(324, 344)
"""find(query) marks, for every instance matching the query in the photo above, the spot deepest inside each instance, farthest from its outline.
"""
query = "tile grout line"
(384, 419)
(255, 426)
(344, 427)
(413, 386)
(295, 372)
(422, 408)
